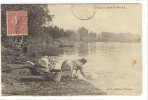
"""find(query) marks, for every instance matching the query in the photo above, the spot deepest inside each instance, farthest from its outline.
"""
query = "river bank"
(21, 82)
(38, 86)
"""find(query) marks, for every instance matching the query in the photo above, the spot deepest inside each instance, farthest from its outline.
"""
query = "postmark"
(83, 12)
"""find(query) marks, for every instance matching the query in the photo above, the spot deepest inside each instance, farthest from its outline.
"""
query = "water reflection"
(82, 49)
(109, 47)
(48, 50)
(66, 50)
(92, 48)
(109, 61)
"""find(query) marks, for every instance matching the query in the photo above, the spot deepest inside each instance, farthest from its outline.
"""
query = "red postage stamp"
(17, 23)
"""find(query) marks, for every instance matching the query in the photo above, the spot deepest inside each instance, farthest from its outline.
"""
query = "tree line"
(39, 15)
(84, 35)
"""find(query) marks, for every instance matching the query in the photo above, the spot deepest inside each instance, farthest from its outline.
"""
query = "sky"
(117, 18)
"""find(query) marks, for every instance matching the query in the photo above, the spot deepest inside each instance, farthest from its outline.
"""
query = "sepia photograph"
(71, 49)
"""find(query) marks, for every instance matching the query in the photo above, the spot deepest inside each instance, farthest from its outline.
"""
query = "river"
(115, 68)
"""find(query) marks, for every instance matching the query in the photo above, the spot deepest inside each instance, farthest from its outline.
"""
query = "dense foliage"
(37, 15)
(40, 30)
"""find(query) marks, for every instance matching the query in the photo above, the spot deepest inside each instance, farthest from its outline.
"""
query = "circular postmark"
(83, 12)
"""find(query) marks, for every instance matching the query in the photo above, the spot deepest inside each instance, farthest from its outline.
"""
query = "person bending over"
(73, 65)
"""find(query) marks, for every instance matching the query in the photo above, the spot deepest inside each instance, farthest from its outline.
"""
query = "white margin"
(144, 94)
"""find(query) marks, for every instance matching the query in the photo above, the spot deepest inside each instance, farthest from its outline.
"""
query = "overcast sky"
(122, 20)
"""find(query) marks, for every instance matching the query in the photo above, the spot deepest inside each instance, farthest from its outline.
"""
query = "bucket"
(56, 75)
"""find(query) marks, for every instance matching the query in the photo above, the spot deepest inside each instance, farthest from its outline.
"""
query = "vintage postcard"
(71, 49)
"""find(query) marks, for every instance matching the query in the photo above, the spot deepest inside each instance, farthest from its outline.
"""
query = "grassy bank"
(21, 82)
(13, 84)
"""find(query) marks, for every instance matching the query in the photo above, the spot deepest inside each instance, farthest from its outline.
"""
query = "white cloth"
(45, 63)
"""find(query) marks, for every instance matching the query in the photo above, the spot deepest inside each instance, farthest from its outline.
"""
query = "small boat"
(66, 45)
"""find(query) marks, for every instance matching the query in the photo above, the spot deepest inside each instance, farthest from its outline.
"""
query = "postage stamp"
(17, 23)
(71, 49)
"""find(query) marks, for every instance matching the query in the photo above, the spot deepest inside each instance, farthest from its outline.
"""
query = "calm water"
(112, 67)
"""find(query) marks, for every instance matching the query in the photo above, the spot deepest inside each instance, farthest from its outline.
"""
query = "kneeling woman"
(73, 65)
